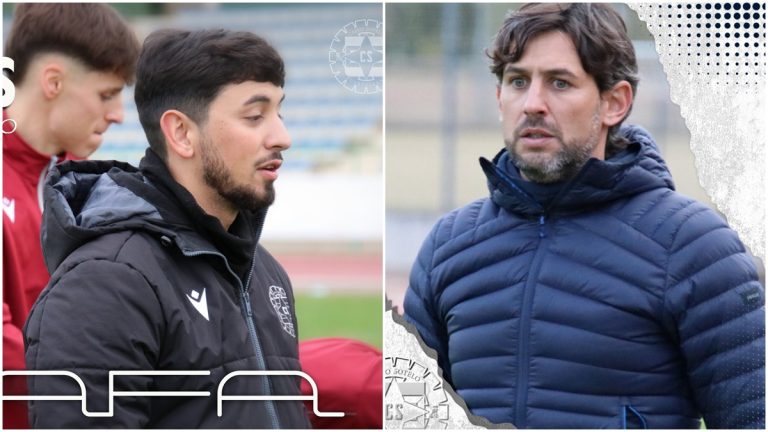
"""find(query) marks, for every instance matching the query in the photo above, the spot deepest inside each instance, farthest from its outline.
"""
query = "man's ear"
(180, 133)
(616, 103)
(52, 79)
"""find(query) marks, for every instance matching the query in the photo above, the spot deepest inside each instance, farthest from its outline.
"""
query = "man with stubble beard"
(159, 269)
(585, 292)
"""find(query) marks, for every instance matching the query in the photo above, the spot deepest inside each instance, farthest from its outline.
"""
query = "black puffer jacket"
(144, 280)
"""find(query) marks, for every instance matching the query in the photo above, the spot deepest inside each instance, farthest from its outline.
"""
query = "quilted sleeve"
(421, 305)
(715, 304)
(97, 317)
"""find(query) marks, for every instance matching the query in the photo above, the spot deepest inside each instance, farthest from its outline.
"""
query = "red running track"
(333, 271)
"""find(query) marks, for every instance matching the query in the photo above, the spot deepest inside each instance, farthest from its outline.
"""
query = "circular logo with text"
(357, 56)
(414, 396)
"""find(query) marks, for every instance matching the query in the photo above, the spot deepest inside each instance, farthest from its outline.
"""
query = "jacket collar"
(180, 208)
(86, 199)
(20, 154)
(637, 169)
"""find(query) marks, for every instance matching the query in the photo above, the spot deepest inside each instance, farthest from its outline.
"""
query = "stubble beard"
(218, 176)
(562, 165)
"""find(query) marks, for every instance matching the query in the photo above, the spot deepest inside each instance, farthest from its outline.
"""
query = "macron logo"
(198, 301)
(9, 207)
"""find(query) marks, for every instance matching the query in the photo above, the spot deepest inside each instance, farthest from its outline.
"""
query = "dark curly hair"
(598, 32)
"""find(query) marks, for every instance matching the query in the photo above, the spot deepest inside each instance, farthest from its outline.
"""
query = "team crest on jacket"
(279, 300)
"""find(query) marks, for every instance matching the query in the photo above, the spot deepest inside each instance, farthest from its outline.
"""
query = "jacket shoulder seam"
(446, 229)
(448, 222)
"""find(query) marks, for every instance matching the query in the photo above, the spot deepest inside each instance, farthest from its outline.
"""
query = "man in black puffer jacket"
(585, 292)
(158, 271)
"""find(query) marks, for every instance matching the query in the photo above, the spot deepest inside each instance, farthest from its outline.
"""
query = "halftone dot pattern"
(723, 41)
(722, 94)
(716, 60)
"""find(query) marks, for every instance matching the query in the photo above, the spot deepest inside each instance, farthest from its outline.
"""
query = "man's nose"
(535, 100)
(115, 112)
(279, 138)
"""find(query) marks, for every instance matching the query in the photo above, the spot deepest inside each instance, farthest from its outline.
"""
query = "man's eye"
(560, 84)
(255, 118)
(517, 82)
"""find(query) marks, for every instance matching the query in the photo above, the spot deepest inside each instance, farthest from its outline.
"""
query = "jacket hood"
(638, 168)
(88, 199)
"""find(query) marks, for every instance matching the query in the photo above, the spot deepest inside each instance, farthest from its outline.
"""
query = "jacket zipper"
(521, 400)
(525, 326)
(245, 305)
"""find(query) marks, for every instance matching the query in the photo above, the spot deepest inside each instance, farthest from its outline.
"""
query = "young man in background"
(71, 64)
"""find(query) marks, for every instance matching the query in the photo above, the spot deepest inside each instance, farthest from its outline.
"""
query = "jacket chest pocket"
(630, 417)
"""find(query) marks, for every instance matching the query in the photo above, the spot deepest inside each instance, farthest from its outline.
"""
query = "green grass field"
(357, 316)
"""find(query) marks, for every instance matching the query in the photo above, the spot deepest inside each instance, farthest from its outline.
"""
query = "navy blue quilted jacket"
(621, 304)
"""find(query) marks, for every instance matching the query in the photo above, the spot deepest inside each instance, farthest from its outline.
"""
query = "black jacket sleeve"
(95, 317)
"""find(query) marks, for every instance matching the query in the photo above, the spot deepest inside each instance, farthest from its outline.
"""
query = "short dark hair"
(91, 33)
(598, 32)
(185, 70)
